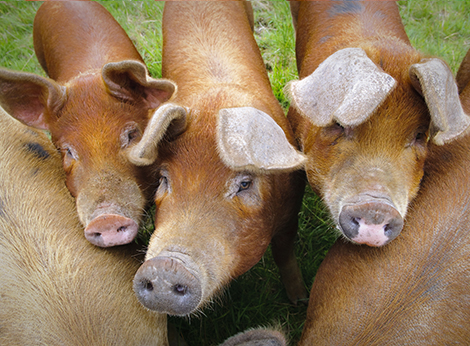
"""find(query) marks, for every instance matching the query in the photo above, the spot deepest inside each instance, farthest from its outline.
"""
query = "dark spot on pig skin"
(345, 7)
(37, 150)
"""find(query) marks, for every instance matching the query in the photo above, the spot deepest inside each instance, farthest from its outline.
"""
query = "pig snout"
(110, 208)
(109, 230)
(166, 284)
(373, 223)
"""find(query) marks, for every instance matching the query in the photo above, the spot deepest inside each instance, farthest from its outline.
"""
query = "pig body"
(227, 182)
(55, 287)
(95, 106)
(414, 291)
(364, 111)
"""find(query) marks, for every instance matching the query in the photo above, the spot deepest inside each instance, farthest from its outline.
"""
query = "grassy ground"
(438, 28)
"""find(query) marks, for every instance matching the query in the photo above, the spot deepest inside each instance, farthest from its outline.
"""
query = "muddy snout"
(374, 223)
(167, 285)
(111, 229)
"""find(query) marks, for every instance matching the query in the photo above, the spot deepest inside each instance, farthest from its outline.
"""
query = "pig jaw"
(110, 208)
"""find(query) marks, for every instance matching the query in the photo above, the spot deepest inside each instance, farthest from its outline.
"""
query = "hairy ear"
(169, 119)
(257, 337)
(248, 138)
(347, 88)
(32, 99)
(434, 80)
(129, 80)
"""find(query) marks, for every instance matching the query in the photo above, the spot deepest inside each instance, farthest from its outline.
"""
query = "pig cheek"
(253, 234)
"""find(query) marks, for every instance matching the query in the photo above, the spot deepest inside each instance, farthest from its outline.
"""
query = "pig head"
(223, 193)
(364, 114)
(93, 120)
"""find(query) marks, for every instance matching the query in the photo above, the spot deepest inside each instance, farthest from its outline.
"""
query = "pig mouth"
(169, 283)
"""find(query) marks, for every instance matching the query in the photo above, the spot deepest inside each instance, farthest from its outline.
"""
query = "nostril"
(355, 221)
(148, 285)
(97, 235)
(122, 229)
(388, 230)
(180, 289)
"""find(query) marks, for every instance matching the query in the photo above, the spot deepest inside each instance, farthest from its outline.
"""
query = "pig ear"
(347, 87)
(250, 139)
(129, 80)
(169, 119)
(434, 80)
(33, 100)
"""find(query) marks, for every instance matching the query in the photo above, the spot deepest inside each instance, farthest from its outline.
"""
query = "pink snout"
(371, 223)
(108, 230)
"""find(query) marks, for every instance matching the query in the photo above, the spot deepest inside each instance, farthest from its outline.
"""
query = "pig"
(257, 337)
(96, 104)
(364, 111)
(55, 287)
(229, 173)
(414, 291)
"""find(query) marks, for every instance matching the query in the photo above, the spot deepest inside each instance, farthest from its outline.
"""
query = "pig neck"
(70, 43)
(326, 27)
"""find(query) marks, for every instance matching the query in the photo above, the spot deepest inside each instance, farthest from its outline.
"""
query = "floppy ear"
(434, 80)
(168, 119)
(347, 88)
(248, 138)
(32, 99)
(129, 80)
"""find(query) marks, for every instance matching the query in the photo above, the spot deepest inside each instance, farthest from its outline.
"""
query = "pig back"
(55, 287)
(72, 37)
(208, 46)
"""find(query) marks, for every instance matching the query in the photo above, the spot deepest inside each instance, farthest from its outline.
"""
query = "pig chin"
(111, 219)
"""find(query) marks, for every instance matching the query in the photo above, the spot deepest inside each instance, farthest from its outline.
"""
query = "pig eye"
(420, 138)
(333, 133)
(132, 135)
(68, 153)
(69, 157)
(129, 134)
(163, 186)
(244, 185)
(162, 182)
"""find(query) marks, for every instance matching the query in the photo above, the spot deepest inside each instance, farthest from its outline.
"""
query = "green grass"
(440, 28)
